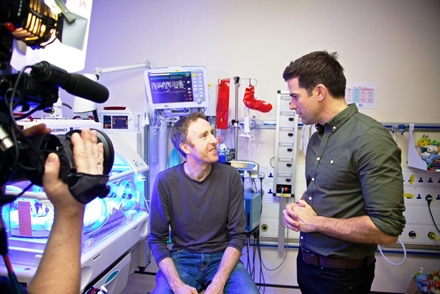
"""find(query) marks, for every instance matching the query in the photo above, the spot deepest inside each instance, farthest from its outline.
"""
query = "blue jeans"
(198, 270)
(322, 280)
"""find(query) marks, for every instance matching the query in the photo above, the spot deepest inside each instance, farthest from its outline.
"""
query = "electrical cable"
(256, 244)
(253, 262)
(284, 259)
(67, 105)
(404, 254)
(11, 275)
(254, 185)
(155, 122)
(248, 258)
(16, 155)
(272, 162)
(29, 113)
(431, 235)
(286, 246)
(256, 250)
(429, 200)
(262, 279)
(15, 129)
(4, 253)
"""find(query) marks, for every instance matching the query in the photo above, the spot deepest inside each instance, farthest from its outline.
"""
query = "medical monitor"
(181, 87)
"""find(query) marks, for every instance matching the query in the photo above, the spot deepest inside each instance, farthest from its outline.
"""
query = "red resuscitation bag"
(222, 105)
(252, 103)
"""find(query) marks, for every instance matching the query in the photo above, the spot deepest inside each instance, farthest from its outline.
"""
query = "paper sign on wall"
(363, 94)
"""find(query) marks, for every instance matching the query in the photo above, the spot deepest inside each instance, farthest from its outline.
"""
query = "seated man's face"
(202, 144)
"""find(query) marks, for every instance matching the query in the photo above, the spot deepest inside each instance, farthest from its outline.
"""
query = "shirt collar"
(339, 119)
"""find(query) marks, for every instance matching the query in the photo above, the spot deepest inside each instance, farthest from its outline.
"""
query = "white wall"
(393, 43)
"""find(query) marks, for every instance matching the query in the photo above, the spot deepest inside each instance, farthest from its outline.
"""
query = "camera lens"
(109, 152)
(63, 147)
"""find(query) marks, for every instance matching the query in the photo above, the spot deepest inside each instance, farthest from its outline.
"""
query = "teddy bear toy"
(430, 154)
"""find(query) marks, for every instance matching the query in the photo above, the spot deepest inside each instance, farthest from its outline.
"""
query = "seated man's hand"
(185, 289)
(89, 156)
(215, 288)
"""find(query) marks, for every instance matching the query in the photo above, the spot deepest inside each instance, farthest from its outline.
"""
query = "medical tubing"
(404, 254)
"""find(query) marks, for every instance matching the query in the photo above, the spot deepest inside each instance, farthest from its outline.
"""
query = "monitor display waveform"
(167, 85)
(171, 87)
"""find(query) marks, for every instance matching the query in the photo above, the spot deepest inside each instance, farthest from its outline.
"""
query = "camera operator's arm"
(59, 269)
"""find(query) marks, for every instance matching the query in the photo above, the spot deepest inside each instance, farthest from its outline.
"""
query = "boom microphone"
(73, 83)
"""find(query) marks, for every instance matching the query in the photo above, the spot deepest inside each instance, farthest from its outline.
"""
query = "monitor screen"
(176, 87)
(115, 122)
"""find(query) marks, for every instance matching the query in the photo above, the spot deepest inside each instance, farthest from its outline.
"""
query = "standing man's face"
(305, 106)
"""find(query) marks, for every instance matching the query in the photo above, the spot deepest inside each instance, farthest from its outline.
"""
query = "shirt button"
(334, 127)
(318, 158)
(313, 179)
(331, 161)
(310, 198)
(301, 237)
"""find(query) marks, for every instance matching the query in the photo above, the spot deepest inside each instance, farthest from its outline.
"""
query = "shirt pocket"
(332, 171)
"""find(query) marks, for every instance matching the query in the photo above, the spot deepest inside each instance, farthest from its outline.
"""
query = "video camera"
(24, 157)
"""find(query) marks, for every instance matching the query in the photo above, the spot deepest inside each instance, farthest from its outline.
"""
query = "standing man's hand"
(306, 217)
(291, 215)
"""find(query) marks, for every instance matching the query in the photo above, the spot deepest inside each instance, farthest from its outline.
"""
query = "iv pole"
(237, 85)
(235, 121)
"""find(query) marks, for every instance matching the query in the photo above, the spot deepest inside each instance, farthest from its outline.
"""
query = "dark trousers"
(314, 279)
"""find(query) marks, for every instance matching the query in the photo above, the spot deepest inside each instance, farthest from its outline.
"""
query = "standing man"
(354, 196)
(202, 201)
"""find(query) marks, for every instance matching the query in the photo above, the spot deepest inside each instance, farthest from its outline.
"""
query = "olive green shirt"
(353, 168)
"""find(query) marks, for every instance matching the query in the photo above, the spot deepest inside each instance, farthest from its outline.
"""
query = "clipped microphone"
(73, 83)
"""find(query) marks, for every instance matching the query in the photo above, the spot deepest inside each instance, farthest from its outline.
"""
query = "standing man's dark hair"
(179, 131)
(319, 67)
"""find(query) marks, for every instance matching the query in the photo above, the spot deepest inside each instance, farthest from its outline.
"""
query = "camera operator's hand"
(88, 155)
(36, 130)
(63, 251)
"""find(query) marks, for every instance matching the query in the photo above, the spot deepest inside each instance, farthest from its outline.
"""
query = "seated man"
(202, 201)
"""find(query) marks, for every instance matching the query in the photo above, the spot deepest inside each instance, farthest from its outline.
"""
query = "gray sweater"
(205, 217)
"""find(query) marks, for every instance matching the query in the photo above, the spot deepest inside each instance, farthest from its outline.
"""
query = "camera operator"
(59, 269)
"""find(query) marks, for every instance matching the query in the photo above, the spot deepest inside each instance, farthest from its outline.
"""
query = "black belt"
(338, 263)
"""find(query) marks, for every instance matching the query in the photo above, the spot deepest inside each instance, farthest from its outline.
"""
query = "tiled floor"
(144, 283)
